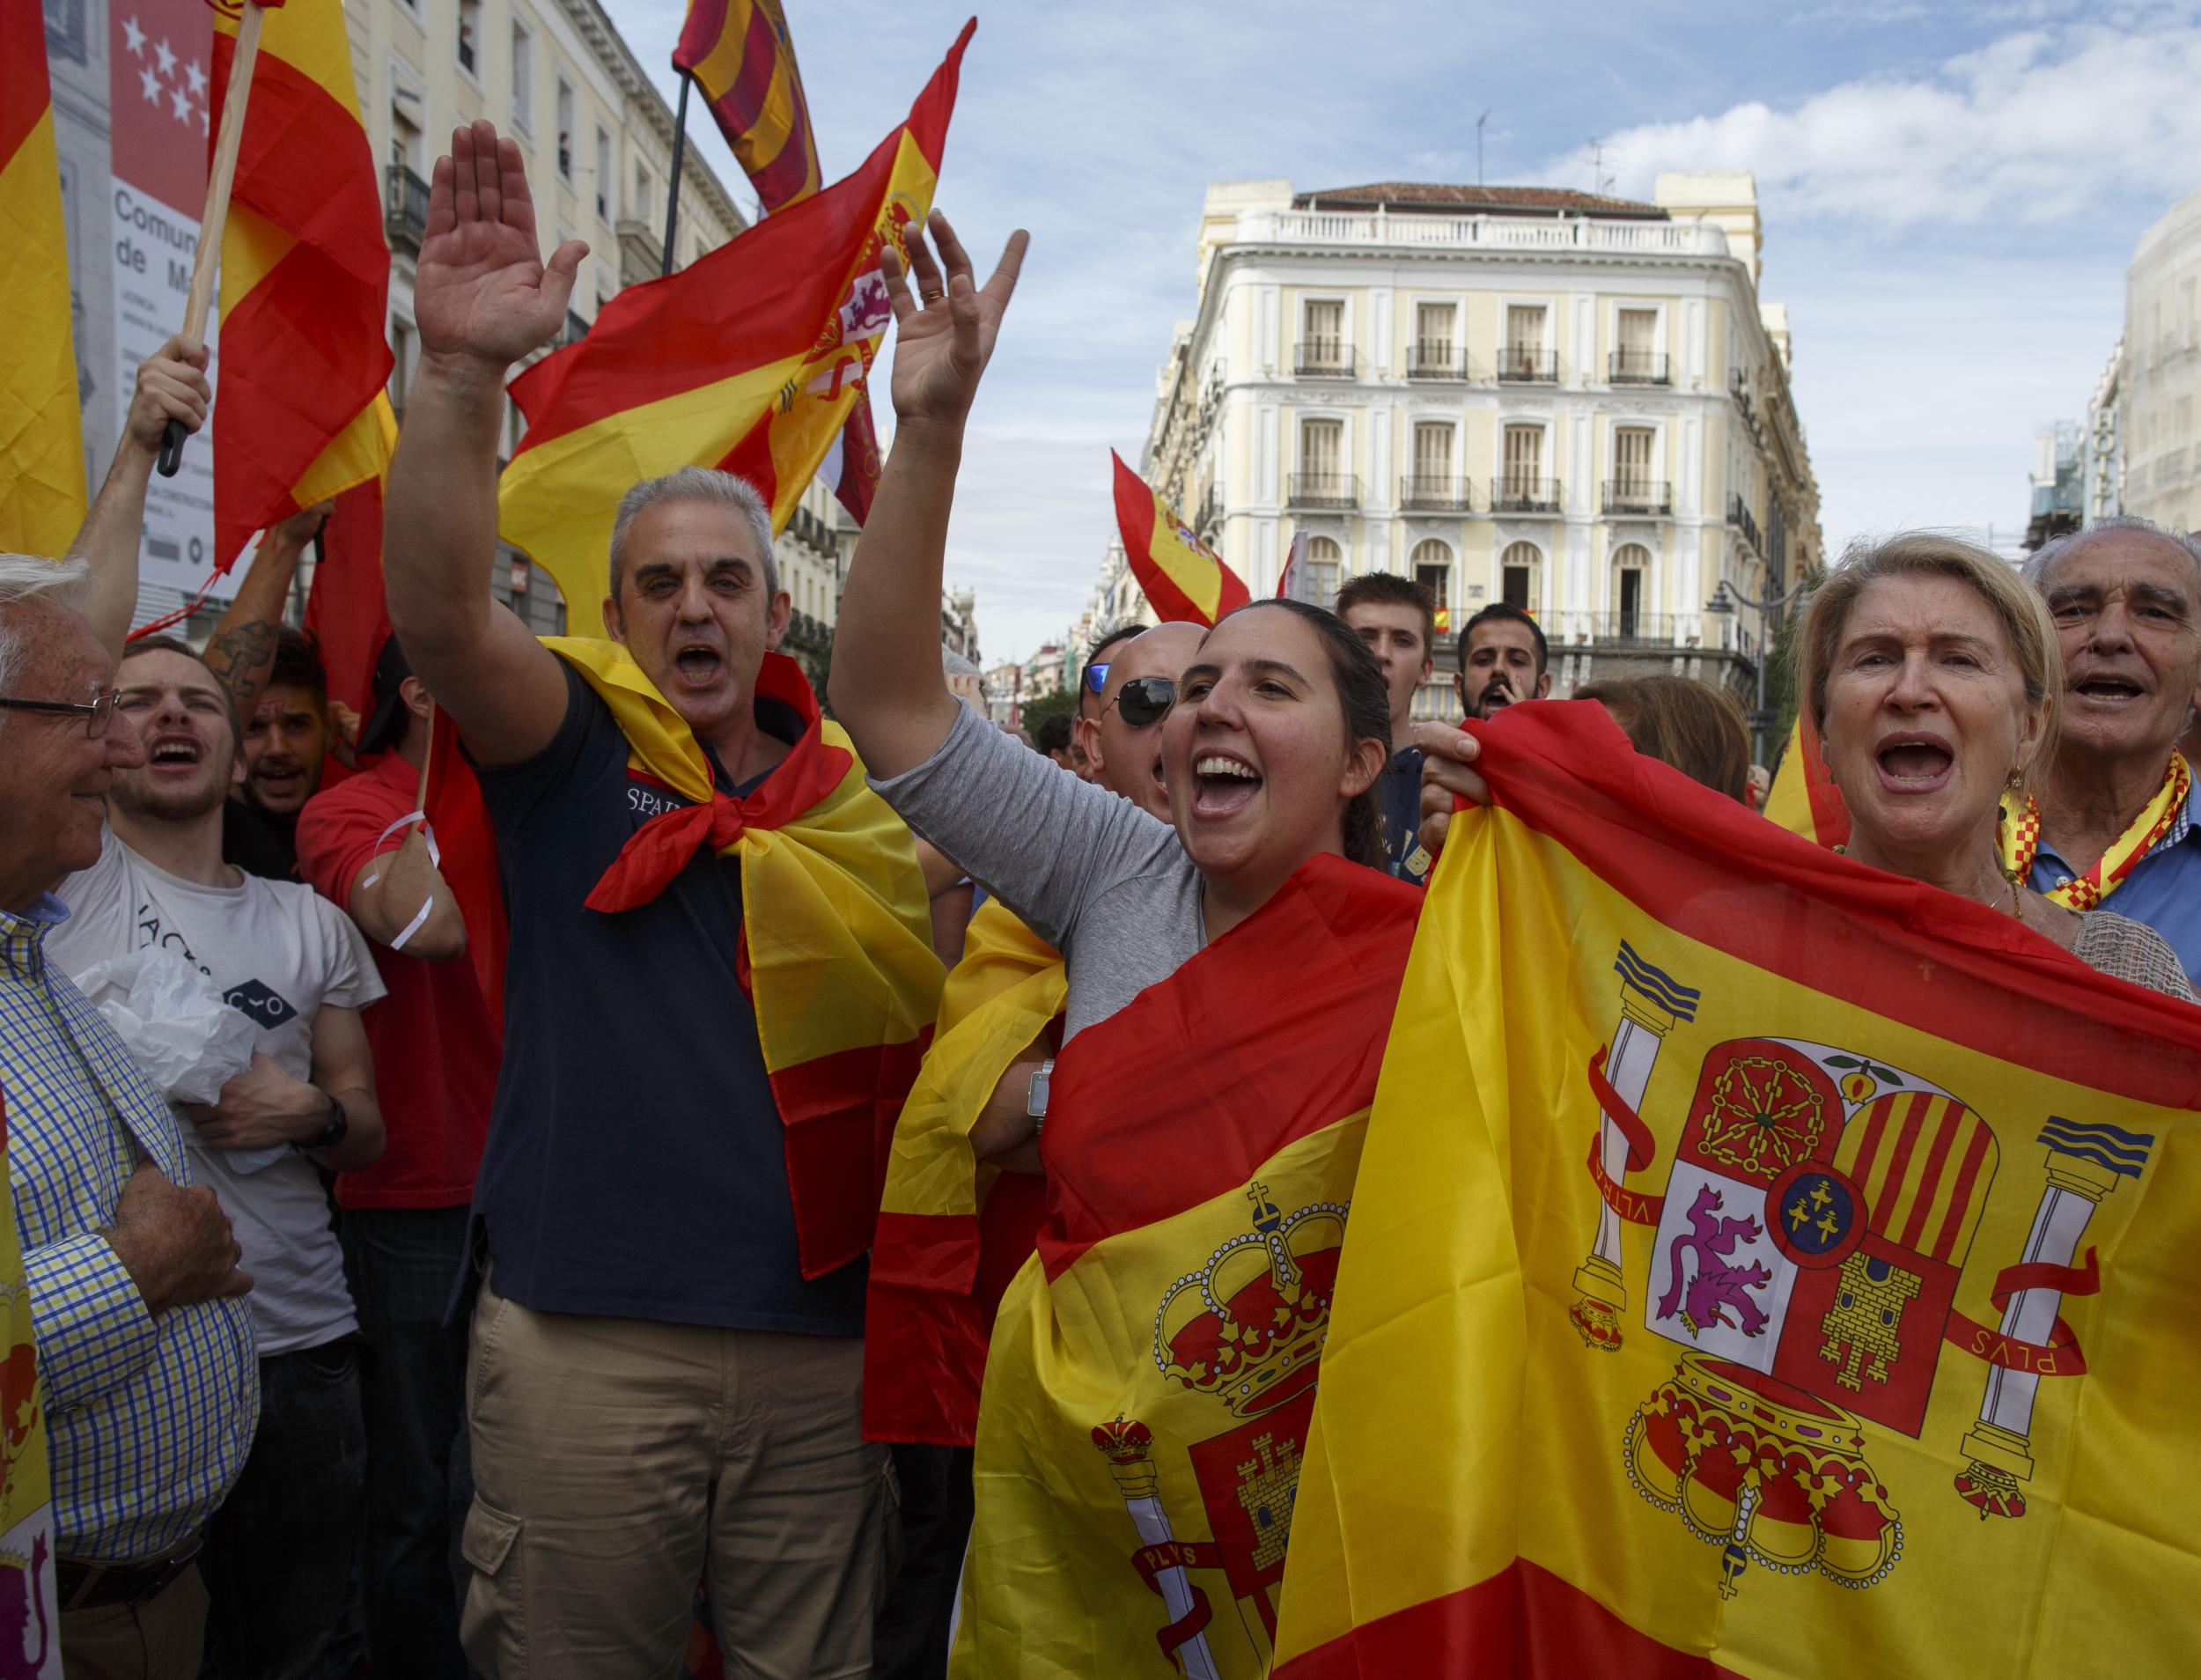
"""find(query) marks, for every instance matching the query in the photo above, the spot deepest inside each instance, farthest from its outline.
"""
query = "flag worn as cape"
(1152, 1368)
(953, 1232)
(1803, 798)
(1183, 577)
(1762, 1266)
(836, 946)
(42, 491)
(305, 279)
(749, 359)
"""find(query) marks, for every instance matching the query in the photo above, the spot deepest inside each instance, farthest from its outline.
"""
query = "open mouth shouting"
(698, 666)
(1914, 764)
(173, 755)
(2108, 689)
(1223, 785)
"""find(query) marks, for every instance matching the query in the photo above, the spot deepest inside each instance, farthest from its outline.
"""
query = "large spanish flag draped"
(1760, 1266)
(837, 932)
(42, 491)
(1152, 1369)
(1804, 798)
(953, 1231)
(1183, 577)
(748, 360)
(742, 56)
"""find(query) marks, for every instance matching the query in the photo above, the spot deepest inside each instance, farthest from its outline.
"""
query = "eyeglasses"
(95, 712)
(1097, 678)
(1145, 700)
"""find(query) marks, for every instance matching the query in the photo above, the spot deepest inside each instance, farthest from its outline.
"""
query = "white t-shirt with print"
(276, 951)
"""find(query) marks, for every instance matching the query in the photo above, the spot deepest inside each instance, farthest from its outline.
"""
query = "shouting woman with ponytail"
(1231, 979)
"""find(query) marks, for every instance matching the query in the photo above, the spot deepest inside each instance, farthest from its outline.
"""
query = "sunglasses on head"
(1145, 701)
(1097, 678)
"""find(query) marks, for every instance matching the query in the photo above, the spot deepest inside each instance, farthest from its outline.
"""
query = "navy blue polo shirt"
(1399, 796)
(636, 1163)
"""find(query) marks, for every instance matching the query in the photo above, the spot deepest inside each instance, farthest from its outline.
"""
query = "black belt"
(85, 1585)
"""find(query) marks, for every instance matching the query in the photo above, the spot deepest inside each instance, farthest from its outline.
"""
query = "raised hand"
(945, 333)
(483, 291)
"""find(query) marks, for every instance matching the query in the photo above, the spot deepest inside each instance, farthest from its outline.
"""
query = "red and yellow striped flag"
(1183, 577)
(305, 280)
(750, 360)
(743, 58)
(42, 489)
(1803, 798)
(1153, 1365)
(1760, 1266)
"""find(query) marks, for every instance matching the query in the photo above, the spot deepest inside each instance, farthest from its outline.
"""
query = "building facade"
(1575, 403)
(2158, 375)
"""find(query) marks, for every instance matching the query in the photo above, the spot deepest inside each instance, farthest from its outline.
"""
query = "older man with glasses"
(145, 1345)
(2113, 813)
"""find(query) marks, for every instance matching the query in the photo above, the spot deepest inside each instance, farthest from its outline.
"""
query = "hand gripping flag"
(952, 1232)
(1803, 798)
(1184, 578)
(836, 946)
(305, 280)
(42, 491)
(749, 360)
(1153, 1365)
(1760, 1266)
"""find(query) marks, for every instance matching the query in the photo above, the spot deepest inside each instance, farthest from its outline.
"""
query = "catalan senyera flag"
(305, 279)
(1760, 1266)
(742, 56)
(1183, 577)
(836, 930)
(1153, 1365)
(1803, 798)
(749, 359)
(953, 1231)
(42, 491)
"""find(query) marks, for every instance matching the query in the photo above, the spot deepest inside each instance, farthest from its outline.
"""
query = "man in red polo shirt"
(364, 845)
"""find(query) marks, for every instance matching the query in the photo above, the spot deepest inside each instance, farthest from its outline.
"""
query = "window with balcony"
(1436, 353)
(1322, 352)
(1520, 576)
(565, 128)
(604, 181)
(1322, 480)
(1521, 487)
(1632, 567)
(1636, 358)
(523, 79)
(1325, 560)
(1632, 489)
(1432, 562)
(405, 191)
(1524, 357)
(470, 37)
(1434, 486)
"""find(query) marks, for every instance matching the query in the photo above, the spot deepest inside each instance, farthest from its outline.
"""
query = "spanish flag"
(952, 1232)
(42, 491)
(1760, 1266)
(741, 55)
(305, 279)
(1153, 1365)
(1183, 577)
(346, 612)
(1804, 798)
(749, 360)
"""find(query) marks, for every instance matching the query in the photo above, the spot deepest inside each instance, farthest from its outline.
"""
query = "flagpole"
(220, 175)
(680, 151)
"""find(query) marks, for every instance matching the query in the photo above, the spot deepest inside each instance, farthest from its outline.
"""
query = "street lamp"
(1724, 600)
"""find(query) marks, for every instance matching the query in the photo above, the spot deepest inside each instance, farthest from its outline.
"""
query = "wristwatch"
(1035, 1099)
(332, 1134)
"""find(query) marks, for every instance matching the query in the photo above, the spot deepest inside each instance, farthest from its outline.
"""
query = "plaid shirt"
(148, 1418)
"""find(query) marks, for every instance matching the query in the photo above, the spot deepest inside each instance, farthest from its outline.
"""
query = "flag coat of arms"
(1760, 1266)
(1185, 579)
(1153, 1365)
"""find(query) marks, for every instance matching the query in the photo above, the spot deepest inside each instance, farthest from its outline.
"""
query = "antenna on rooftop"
(1600, 182)
(1479, 121)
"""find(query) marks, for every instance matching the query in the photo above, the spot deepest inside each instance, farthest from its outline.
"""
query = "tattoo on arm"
(240, 656)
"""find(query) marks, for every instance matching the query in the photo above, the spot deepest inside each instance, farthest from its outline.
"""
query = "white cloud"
(2033, 128)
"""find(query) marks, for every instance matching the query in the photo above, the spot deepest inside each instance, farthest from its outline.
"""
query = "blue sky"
(1950, 193)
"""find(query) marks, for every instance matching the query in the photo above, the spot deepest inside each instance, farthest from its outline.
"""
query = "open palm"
(483, 288)
(945, 333)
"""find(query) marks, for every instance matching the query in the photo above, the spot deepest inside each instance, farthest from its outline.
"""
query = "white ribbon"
(435, 859)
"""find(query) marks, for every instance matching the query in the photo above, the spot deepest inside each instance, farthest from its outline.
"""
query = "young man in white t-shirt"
(278, 1554)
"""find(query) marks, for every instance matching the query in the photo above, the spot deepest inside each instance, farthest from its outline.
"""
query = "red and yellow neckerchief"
(2021, 841)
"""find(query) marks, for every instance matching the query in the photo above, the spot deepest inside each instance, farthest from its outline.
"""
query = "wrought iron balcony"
(1324, 489)
(1651, 497)
(1325, 359)
(1211, 517)
(1435, 493)
(404, 208)
(1647, 629)
(1523, 364)
(1637, 367)
(1439, 361)
(1738, 516)
(1516, 494)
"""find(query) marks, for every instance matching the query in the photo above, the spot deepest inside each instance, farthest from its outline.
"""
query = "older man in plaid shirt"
(144, 1344)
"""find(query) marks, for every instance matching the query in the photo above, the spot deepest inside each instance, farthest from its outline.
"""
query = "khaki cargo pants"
(617, 1461)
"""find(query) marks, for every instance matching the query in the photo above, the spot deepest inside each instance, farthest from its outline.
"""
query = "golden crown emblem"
(1248, 1326)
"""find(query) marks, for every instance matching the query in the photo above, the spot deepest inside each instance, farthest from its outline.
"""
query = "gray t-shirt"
(1109, 885)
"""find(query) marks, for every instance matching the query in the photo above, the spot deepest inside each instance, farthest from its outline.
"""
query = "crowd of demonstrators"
(1396, 617)
(1055, 737)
